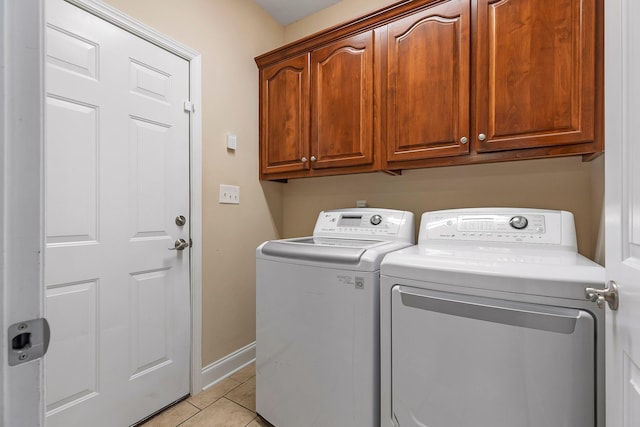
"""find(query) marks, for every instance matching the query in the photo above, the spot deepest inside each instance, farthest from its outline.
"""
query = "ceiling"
(288, 11)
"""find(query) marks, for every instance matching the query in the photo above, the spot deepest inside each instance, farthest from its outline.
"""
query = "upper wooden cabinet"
(316, 111)
(284, 117)
(426, 83)
(342, 103)
(426, 65)
(535, 76)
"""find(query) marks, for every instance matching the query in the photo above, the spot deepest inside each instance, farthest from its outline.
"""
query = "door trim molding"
(21, 215)
(119, 19)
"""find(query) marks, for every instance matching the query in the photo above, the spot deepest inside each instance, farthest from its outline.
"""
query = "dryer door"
(468, 361)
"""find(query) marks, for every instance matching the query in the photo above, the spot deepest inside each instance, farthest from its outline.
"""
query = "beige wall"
(565, 183)
(343, 11)
(228, 34)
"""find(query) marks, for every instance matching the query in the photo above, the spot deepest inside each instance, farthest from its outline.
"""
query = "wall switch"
(361, 204)
(231, 141)
(229, 194)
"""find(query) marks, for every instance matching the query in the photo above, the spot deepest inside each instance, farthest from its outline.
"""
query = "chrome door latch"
(609, 294)
(28, 340)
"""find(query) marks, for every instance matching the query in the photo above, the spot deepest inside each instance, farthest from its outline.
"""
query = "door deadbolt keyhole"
(181, 220)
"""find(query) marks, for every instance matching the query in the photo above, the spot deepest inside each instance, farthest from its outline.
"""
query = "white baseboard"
(221, 369)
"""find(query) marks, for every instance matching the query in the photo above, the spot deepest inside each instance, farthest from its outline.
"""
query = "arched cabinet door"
(342, 95)
(535, 77)
(427, 86)
(284, 116)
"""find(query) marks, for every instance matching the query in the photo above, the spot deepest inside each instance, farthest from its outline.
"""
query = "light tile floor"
(229, 403)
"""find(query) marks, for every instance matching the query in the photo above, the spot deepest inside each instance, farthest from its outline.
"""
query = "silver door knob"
(608, 295)
(303, 160)
(179, 245)
(482, 137)
(464, 140)
(313, 158)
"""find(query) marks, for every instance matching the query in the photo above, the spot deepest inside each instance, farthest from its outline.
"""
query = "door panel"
(72, 216)
(71, 52)
(428, 85)
(150, 297)
(77, 337)
(116, 176)
(148, 160)
(535, 77)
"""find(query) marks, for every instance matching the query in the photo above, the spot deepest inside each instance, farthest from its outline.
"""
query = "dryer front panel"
(468, 361)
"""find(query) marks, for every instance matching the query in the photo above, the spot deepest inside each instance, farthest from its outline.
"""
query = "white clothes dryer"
(485, 323)
(317, 319)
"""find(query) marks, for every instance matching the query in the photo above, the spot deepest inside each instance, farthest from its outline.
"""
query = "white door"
(116, 178)
(622, 204)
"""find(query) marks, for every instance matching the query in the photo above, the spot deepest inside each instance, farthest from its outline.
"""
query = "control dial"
(518, 222)
(376, 220)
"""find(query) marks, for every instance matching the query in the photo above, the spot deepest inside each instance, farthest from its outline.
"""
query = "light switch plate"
(229, 194)
(232, 142)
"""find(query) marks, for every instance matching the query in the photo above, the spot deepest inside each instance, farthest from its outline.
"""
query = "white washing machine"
(317, 319)
(485, 324)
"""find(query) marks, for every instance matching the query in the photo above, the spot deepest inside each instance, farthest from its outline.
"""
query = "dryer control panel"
(366, 223)
(504, 225)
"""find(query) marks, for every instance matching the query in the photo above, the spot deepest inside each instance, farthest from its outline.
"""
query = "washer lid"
(336, 251)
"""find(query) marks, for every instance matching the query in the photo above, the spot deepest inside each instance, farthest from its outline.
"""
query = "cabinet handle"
(482, 137)
(303, 160)
(464, 140)
(313, 158)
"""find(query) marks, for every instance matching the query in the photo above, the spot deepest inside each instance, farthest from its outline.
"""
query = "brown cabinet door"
(535, 77)
(427, 63)
(342, 103)
(284, 116)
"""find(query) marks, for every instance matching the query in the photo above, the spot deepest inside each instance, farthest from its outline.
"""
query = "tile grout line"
(227, 398)
(238, 383)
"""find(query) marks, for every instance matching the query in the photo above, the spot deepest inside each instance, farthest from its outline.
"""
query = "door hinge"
(189, 107)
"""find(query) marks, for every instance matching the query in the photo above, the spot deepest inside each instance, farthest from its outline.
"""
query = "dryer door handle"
(545, 318)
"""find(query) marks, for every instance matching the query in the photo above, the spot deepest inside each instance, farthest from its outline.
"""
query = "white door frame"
(21, 189)
(21, 218)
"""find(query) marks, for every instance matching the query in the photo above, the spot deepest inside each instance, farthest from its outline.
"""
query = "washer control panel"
(383, 224)
(506, 225)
